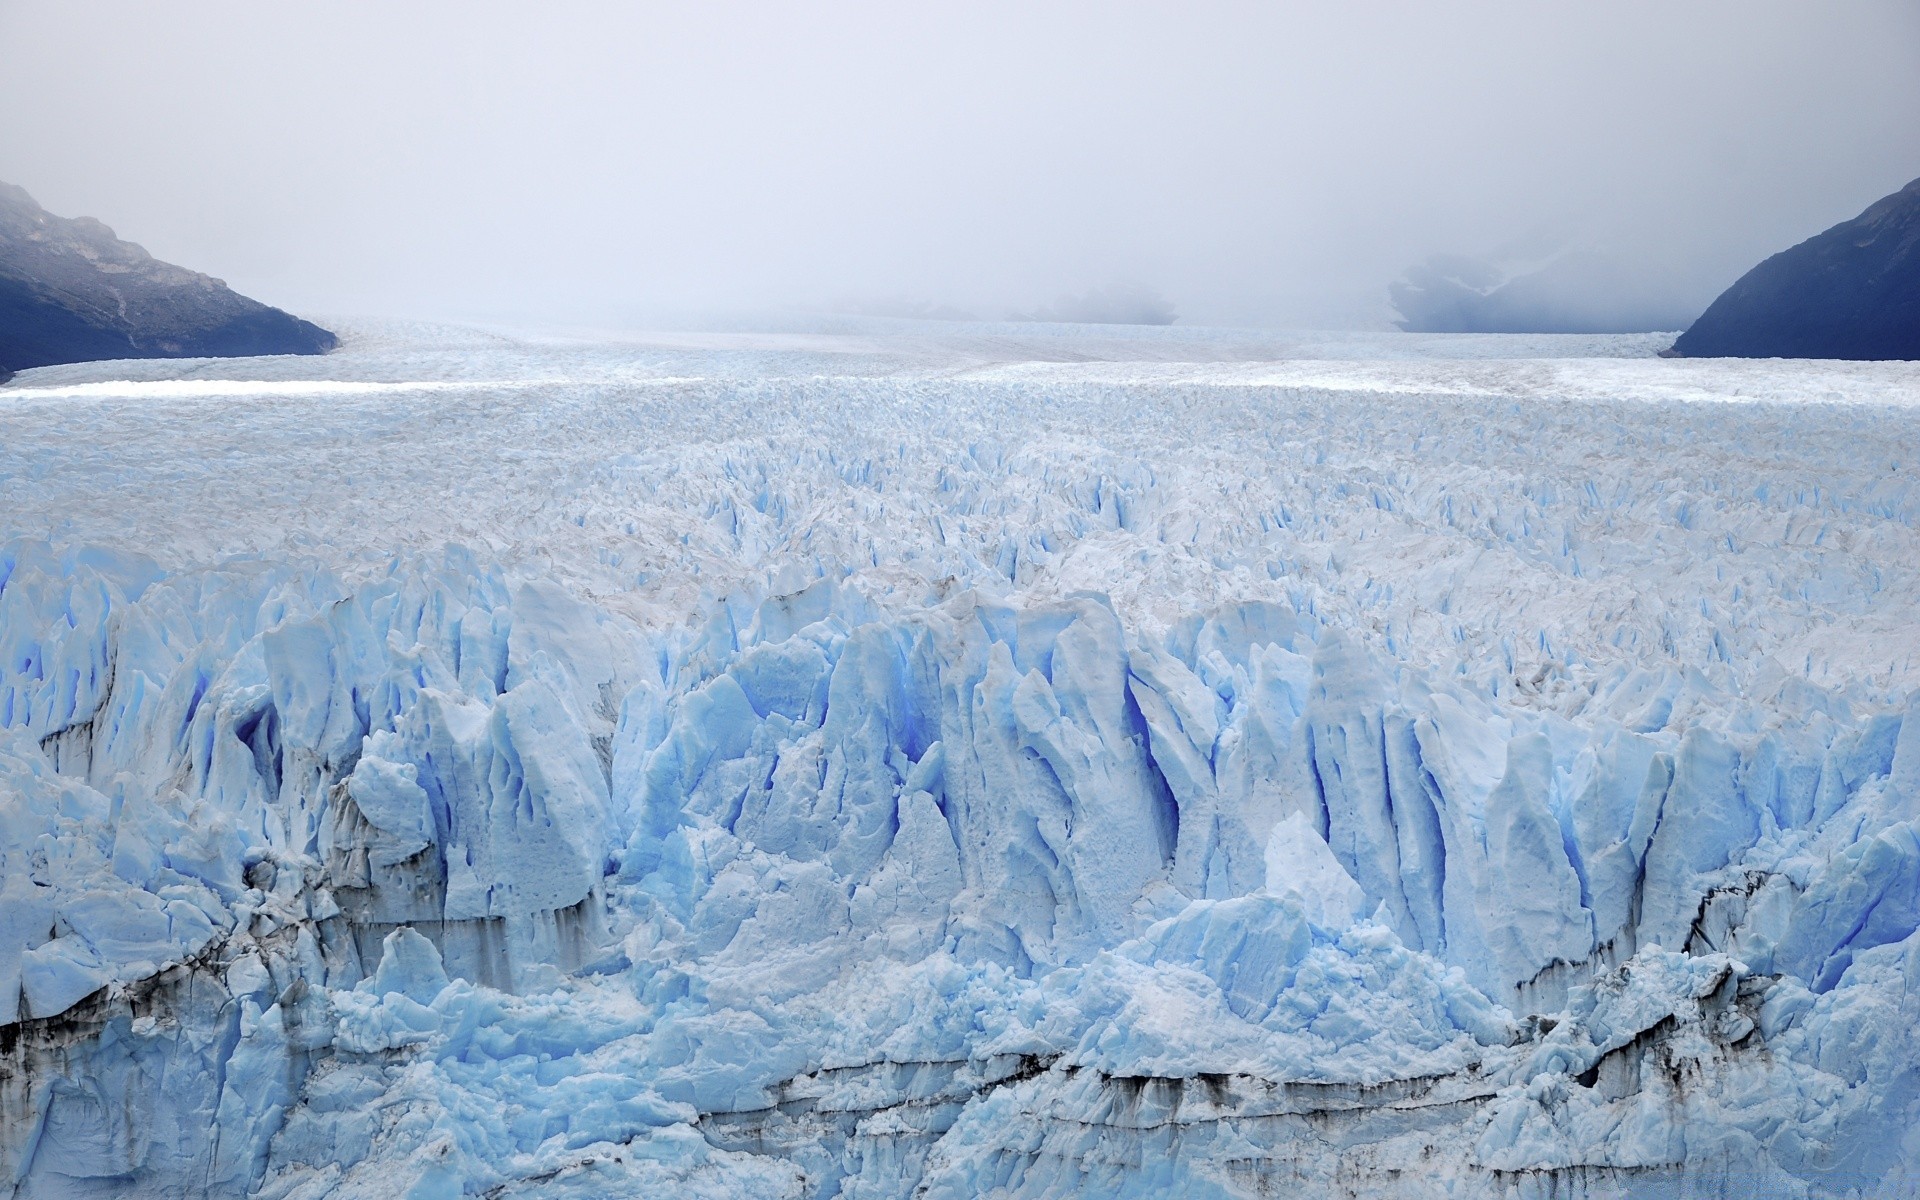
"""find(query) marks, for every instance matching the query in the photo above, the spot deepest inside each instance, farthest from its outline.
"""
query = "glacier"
(890, 759)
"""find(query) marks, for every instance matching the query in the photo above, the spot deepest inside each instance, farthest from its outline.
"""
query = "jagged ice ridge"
(897, 762)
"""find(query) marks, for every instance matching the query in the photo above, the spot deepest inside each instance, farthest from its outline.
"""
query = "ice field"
(902, 759)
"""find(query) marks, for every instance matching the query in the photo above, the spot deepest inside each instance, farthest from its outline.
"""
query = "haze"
(1255, 163)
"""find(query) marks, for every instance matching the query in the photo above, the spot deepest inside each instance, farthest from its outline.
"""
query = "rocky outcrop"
(71, 291)
(1851, 292)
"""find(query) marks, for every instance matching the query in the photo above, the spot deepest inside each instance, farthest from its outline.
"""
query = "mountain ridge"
(71, 290)
(1849, 292)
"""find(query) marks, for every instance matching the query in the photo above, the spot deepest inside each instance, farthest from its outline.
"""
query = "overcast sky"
(1272, 163)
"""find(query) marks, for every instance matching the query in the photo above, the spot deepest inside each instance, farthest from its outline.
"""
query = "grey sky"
(1272, 163)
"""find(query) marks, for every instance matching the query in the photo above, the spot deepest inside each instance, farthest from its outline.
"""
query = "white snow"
(893, 758)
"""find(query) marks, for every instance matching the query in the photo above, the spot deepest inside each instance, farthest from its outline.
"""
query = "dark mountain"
(70, 291)
(1580, 291)
(1851, 292)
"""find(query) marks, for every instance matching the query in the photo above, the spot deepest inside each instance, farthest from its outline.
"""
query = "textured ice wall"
(811, 776)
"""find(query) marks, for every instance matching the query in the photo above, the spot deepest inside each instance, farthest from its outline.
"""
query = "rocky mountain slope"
(71, 291)
(1851, 292)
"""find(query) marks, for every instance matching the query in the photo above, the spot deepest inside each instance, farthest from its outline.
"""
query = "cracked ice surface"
(959, 760)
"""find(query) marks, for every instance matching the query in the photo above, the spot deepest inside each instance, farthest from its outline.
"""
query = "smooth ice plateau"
(946, 761)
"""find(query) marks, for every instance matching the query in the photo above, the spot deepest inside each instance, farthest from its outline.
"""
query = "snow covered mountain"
(960, 761)
(1531, 289)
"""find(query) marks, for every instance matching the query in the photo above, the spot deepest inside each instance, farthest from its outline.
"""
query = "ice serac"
(378, 836)
(1346, 722)
(1530, 905)
(876, 871)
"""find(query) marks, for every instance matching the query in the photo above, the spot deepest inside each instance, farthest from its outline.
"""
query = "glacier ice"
(896, 762)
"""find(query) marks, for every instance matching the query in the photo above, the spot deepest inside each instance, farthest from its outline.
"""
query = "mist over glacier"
(1252, 162)
(893, 759)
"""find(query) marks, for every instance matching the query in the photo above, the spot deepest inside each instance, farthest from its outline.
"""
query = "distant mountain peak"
(1539, 286)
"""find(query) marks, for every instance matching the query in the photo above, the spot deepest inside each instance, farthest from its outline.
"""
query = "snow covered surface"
(896, 759)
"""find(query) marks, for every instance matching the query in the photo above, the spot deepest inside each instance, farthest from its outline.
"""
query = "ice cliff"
(804, 772)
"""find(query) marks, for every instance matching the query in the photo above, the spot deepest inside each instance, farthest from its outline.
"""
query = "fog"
(1271, 164)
